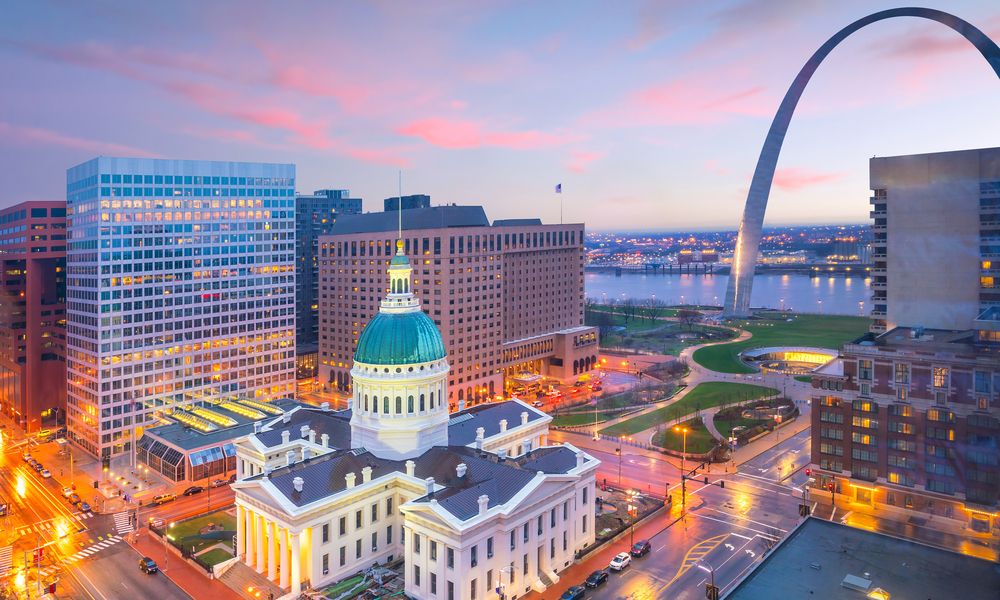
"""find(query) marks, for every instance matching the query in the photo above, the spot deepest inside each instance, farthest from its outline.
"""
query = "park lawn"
(214, 557)
(699, 440)
(656, 393)
(188, 533)
(725, 426)
(704, 395)
(582, 418)
(818, 331)
(343, 586)
(639, 311)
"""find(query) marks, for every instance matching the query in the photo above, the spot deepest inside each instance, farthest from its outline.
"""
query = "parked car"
(73, 498)
(641, 548)
(597, 388)
(67, 491)
(219, 483)
(45, 473)
(84, 507)
(163, 499)
(538, 404)
(194, 489)
(596, 578)
(574, 593)
(43, 434)
(26, 456)
(156, 522)
(38, 467)
(148, 565)
(620, 561)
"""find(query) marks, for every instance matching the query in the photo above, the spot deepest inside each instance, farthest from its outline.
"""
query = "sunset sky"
(651, 114)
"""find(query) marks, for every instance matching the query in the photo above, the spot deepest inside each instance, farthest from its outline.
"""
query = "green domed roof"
(400, 339)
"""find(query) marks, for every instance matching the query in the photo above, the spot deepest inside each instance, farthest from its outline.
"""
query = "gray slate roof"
(337, 424)
(433, 217)
(462, 430)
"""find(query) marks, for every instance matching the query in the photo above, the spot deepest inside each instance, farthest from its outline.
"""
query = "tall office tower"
(908, 416)
(508, 297)
(33, 313)
(180, 289)
(314, 216)
(936, 226)
(411, 201)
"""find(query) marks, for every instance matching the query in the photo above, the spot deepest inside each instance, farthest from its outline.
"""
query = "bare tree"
(688, 316)
(629, 309)
(655, 308)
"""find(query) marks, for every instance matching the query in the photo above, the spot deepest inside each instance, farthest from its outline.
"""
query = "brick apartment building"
(908, 416)
(508, 297)
(33, 313)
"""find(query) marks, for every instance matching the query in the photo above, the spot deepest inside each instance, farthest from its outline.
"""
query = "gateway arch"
(745, 255)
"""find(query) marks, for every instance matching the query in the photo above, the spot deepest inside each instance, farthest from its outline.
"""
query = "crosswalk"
(50, 525)
(93, 549)
(6, 559)
(123, 523)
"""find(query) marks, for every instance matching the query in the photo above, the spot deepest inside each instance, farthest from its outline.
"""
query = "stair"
(542, 583)
(241, 578)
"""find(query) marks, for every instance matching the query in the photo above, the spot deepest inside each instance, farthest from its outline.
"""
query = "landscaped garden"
(699, 440)
(782, 329)
(704, 395)
(203, 532)
(644, 328)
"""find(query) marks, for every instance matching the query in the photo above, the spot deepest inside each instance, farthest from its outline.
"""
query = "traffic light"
(808, 472)
(829, 486)
(711, 592)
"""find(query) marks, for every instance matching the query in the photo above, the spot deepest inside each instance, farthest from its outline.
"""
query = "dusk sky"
(651, 114)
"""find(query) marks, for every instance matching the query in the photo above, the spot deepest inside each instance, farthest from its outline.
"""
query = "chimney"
(350, 478)
(527, 447)
(325, 407)
(411, 468)
(503, 425)
(304, 431)
(502, 454)
(480, 433)
(461, 405)
(312, 436)
(305, 454)
(286, 417)
(484, 504)
(460, 470)
(325, 439)
(256, 427)
(286, 436)
(429, 482)
(524, 418)
(579, 459)
(290, 457)
(297, 484)
(366, 474)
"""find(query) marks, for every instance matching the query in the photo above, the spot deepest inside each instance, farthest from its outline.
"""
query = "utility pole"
(618, 450)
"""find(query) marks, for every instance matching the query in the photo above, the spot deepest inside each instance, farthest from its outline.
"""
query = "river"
(838, 295)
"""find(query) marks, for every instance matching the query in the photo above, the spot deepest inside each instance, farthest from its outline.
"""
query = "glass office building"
(180, 289)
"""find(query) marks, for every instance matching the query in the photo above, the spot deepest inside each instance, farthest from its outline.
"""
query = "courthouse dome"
(400, 339)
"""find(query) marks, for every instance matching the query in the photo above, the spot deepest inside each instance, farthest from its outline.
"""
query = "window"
(585, 523)
(939, 469)
(357, 519)
(416, 543)
(901, 478)
(831, 433)
(326, 532)
(865, 369)
(388, 506)
(864, 406)
(525, 531)
(326, 564)
(416, 575)
(434, 583)
(865, 455)
(866, 390)
(565, 541)
(434, 550)
(982, 382)
(585, 490)
(489, 580)
(552, 547)
(472, 589)
(474, 556)
(565, 510)
(901, 410)
(940, 377)
(866, 422)
(831, 417)
(489, 549)
(902, 445)
(524, 564)
(940, 416)
(539, 524)
(374, 512)
(388, 535)
(862, 438)
(343, 525)
(901, 427)
(357, 548)
(451, 590)
(450, 553)
(513, 540)
(831, 449)
(902, 371)
(552, 518)
(941, 487)
(374, 541)
(343, 555)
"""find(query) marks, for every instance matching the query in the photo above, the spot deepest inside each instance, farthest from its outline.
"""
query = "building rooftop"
(516, 222)
(919, 338)
(185, 437)
(336, 424)
(433, 217)
(818, 555)
(463, 425)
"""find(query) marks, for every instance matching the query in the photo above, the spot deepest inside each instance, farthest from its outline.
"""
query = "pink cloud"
(47, 137)
(580, 160)
(457, 134)
(794, 178)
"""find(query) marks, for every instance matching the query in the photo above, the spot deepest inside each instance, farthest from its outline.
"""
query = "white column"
(250, 535)
(241, 530)
(296, 581)
(283, 541)
(259, 532)
(272, 566)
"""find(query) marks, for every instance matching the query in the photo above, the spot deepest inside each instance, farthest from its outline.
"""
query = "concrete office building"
(411, 201)
(909, 418)
(323, 494)
(315, 215)
(508, 296)
(33, 313)
(936, 227)
(180, 288)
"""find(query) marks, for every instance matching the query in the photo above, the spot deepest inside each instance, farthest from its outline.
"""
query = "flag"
(558, 188)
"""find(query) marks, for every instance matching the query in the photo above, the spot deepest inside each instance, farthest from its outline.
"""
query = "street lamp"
(684, 433)
(618, 451)
(633, 512)
(712, 593)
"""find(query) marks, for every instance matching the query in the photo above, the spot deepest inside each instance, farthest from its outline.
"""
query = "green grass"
(821, 331)
(214, 557)
(342, 586)
(187, 533)
(705, 395)
(699, 440)
(654, 393)
(725, 426)
(582, 418)
(804, 378)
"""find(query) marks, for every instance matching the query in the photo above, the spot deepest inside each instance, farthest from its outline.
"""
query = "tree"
(688, 316)
(655, 308)
(629, 308)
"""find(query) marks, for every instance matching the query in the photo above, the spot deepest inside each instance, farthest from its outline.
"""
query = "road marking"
(123, 523)
(843, 519)
(731, 524)
(741, 536)
(833, 513)
(694, 555)
(6, 559)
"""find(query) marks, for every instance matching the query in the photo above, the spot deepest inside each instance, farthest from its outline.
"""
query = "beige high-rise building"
(507, 296)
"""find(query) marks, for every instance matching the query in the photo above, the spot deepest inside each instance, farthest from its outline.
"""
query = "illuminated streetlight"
(684, 433)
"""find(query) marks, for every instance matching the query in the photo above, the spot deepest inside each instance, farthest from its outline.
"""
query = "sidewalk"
(184, 575)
